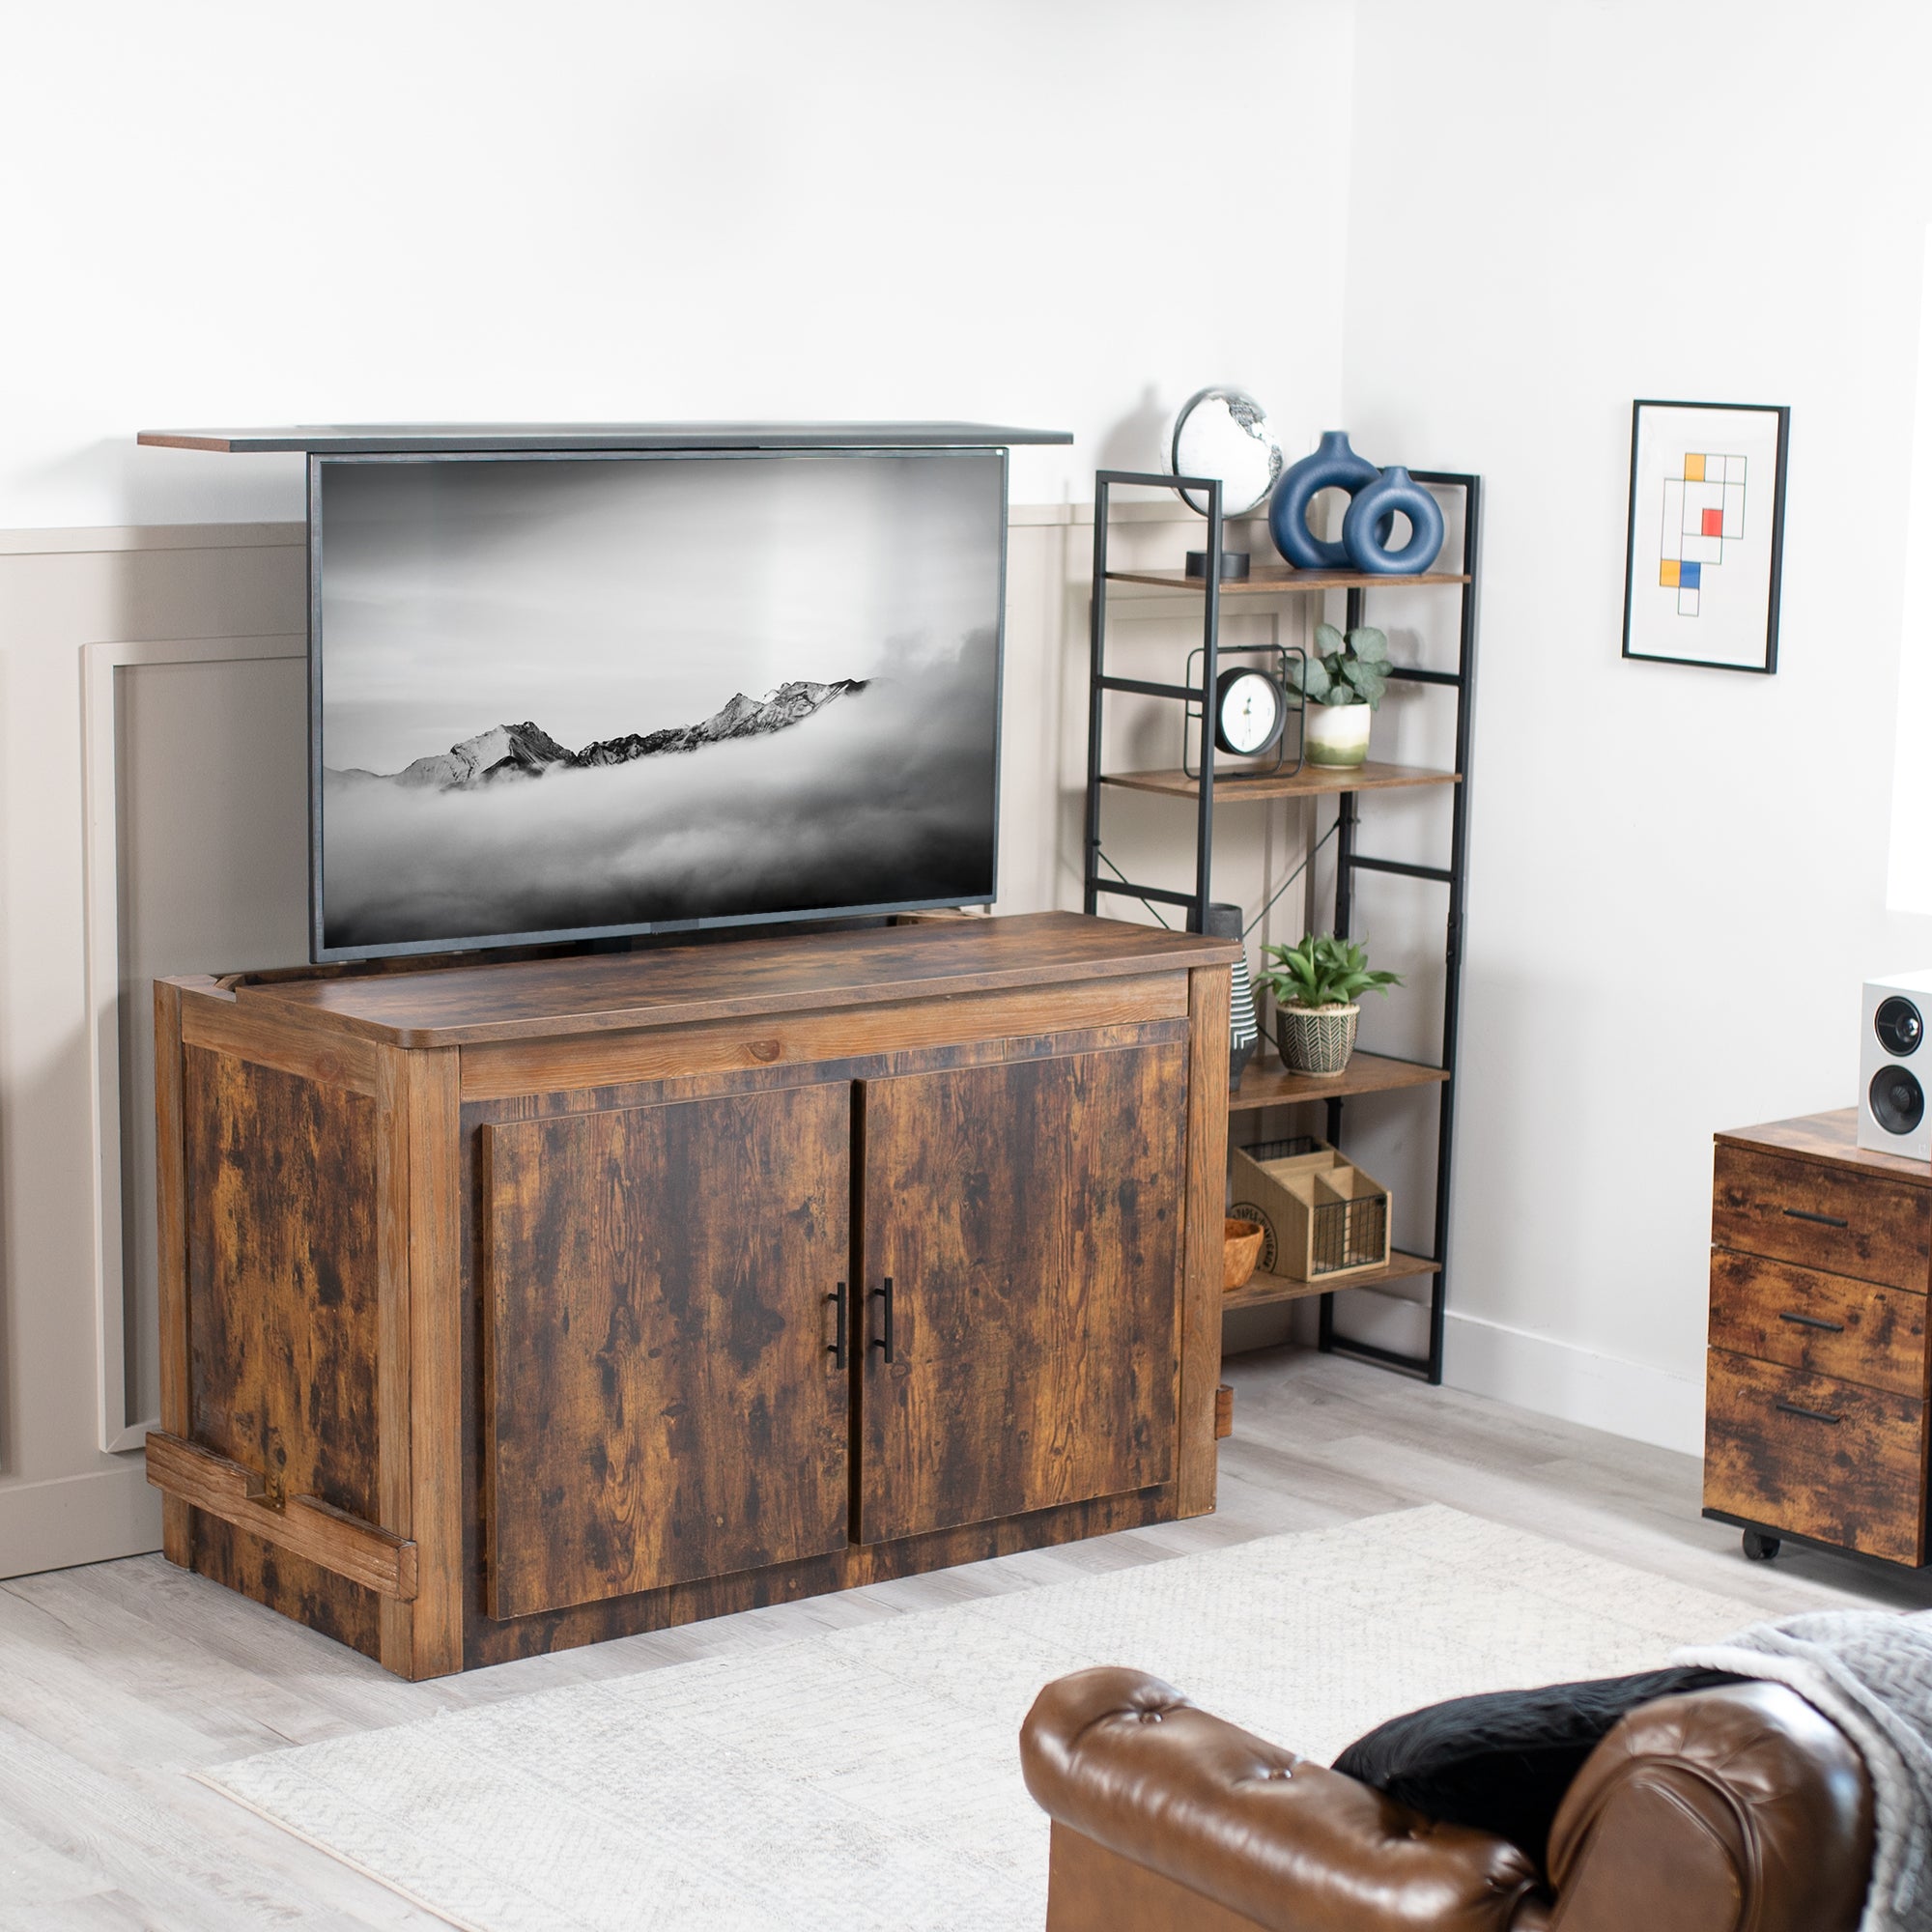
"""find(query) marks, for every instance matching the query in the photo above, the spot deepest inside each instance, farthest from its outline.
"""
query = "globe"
(1225, 434)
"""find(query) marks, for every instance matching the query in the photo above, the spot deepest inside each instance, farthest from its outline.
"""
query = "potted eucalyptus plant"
(1341, 682)
(1318, 984)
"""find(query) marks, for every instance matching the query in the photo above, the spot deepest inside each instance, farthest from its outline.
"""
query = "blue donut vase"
(1333, 466)
(1371, 518)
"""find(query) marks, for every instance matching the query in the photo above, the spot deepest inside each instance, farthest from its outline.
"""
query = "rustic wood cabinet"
(1815, 1414)
(517, 1304)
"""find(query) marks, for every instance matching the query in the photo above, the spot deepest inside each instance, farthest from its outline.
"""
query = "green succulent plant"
(1343, 671)
(1321, 971)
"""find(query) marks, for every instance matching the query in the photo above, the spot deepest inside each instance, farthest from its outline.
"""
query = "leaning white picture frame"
(1706, 536)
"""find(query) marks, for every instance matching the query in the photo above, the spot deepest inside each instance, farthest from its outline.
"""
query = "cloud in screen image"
(560, 694)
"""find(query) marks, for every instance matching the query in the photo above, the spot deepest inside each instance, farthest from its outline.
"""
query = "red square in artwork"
(1713, 523)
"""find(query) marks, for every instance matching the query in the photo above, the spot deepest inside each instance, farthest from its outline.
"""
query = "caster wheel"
(1760, 1548)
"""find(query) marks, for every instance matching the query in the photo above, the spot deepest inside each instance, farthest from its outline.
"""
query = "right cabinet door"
(1022, 1241)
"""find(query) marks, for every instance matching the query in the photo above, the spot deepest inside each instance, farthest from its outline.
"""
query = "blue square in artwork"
(1691, 577)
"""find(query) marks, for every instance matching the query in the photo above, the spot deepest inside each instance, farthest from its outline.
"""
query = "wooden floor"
(120, 1680)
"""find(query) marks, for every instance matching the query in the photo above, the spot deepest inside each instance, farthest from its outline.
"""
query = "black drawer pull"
(1822, 1220)
(884, 1342)
(1813, 1322)
(1810, 1414)
(836, 1348)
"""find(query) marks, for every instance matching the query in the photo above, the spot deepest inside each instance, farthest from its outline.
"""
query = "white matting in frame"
(1706, 533)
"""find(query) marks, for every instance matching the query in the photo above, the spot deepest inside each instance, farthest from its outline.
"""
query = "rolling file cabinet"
(1820, 1260)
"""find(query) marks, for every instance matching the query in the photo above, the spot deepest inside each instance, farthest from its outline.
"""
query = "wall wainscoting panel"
(194, 759)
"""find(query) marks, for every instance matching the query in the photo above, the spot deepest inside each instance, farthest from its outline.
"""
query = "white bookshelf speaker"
(1895, 1067)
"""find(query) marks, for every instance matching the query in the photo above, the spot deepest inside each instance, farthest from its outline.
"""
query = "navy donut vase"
(1366, 529)
(1333, 466)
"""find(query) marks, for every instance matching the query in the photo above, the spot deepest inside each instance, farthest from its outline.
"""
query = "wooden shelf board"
(1264, 1290)
(1310, 781)
(1267, 1083)
(1273, 579)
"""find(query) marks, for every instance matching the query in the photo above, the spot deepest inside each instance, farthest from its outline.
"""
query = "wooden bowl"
(1240, 1249)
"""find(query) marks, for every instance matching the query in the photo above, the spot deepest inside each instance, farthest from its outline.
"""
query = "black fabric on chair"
(1502, 1762)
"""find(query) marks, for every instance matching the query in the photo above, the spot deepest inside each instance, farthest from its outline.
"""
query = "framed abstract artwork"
(1706, 533)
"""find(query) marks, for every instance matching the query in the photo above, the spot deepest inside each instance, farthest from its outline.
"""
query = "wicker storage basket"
(1326, 1218)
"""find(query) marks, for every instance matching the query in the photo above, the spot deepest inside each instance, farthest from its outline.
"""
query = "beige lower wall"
(197, 835)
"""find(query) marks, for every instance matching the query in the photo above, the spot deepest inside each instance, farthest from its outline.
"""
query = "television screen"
(573, 695)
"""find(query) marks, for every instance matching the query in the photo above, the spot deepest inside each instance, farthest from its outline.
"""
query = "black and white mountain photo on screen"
(567, 695)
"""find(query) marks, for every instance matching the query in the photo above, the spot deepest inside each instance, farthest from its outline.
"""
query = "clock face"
(1248, 712)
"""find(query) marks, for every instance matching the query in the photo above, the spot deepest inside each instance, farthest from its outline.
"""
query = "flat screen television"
(581, 694)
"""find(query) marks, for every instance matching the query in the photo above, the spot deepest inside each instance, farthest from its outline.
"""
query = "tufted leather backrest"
(1741, 1809)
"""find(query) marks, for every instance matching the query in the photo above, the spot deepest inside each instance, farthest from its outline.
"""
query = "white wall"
(229, 213)
(1678, 875)
(219, 212)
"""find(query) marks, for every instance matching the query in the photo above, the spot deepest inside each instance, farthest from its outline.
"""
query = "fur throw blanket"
(1870, 1672)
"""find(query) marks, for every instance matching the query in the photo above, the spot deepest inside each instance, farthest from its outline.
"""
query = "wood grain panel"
(1831, 1138)
(1029, 1217)
(281, 1277)
(539, 1067)
(1816, 1456)
(465, 1005)
(1824, 1322)
(1824, 1217)
(281, 1281)
(171, 1255)
(291, 1042)
(439, 1450)
(662, 1403)
(1202, 1299)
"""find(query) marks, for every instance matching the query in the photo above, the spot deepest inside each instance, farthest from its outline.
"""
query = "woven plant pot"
(1315, 1040)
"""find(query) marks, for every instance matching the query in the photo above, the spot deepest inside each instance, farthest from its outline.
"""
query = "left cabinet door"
(662, 1398)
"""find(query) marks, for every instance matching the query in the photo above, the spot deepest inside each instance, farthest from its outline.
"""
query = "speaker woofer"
(1898, 1026)
(1898, 1100)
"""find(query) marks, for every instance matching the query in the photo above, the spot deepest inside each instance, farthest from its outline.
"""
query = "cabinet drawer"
(1821, 1217)
(1816, 1456)
(1824, 1322)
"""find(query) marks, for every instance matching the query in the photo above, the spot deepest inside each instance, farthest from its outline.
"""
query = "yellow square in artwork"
(1694, 469)
(1667, 575)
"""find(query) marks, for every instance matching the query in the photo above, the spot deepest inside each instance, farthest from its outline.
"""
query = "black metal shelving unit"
(1265, 1087)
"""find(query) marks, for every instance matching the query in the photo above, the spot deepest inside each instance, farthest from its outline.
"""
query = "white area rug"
(870, 1777)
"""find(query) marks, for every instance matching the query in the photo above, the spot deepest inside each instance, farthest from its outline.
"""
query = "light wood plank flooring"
(120, 1680)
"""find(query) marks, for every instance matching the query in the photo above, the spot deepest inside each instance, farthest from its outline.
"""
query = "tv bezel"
(322, 953)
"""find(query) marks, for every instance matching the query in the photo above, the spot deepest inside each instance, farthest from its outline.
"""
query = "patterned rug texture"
(869, 1777)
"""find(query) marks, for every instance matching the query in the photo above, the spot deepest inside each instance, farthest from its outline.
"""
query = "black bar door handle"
(1822, 1220)
(884, 1342)
(1812, 1321)
(836, 1348)
(1810, 1414)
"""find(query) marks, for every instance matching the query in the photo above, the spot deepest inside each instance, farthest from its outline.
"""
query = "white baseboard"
(1552, 1377)
(89, 1519)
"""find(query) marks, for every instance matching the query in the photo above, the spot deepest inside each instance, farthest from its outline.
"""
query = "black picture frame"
(1781, 414)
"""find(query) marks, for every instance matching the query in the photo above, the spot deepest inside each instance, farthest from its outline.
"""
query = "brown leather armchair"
(1740, 1809)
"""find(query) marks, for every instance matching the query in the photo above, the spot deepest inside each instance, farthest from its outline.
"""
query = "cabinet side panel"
(1207, 1200)
(171, 1254)
(281, 1270)
(660, 1403)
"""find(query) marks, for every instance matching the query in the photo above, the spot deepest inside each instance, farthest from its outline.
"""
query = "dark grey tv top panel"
(432, 438)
